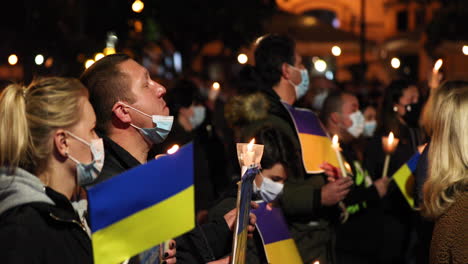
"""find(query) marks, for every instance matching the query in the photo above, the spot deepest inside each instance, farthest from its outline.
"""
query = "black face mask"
(411, 116)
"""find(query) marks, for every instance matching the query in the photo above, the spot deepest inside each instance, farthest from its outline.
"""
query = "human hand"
(230, 219)
(331, 171)
(335, 191)
(382, 185)
(169, 254)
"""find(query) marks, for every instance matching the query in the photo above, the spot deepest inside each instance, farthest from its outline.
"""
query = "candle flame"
(335, 143)
(216, 86)
(317, 262)
(173, 149)
(438, 64)
(250, 145)
(391, 137)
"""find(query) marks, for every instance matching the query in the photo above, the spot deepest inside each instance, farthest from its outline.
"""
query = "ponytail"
(14, 129)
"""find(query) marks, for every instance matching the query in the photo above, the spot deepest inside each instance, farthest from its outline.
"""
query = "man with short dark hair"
(341, 116)
(308, 200)
(132, 117)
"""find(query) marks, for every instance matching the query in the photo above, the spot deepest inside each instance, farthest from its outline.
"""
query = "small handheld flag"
(315, 143)
(142, 207)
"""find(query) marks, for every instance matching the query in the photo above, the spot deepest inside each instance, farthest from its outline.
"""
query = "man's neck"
(132, 141)
(282, 90)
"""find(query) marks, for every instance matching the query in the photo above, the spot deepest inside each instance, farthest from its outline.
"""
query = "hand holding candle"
(389, 145)
(336, 147)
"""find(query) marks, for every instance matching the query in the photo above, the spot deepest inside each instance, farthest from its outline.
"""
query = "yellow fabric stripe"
(145, 229)
(284, 251)
(315, 151)
(405, 180)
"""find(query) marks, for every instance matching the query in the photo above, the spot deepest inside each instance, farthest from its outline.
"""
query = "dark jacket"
(309, 221)
(365, 216)
(44, 229)
(203, 244)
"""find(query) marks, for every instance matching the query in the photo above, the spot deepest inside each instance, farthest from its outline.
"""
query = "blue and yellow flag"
(142, 207)
(278, 243)
(315, 143)
(404, 178)
(244, 196)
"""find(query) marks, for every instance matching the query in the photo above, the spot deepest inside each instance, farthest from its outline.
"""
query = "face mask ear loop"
(131, 107)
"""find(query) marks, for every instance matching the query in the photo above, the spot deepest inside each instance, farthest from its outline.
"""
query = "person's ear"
(335, 118)
(121, 112)
(60, 142)
(286, 71)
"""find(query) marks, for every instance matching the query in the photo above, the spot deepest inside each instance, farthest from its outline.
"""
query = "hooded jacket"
(38, 224)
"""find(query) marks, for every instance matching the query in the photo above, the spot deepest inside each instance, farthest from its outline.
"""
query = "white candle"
(336, 147)
(389, 144)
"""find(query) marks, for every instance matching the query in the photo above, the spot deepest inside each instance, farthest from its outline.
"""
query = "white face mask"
(87, 173)
(269, 190)
(319, 99)
(157, 134)
(369, 128)
(358, 124)
(199, 113)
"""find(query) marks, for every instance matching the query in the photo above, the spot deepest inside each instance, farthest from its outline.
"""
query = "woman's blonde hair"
(29, 115)
(448, 152)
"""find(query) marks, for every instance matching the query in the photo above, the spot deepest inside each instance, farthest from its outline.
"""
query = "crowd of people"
(59, 136)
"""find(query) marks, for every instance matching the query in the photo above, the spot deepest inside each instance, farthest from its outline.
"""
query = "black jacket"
(43, 233)
(203, 244)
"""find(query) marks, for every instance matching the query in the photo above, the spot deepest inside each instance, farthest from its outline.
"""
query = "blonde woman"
(47, 148)
(446, 189)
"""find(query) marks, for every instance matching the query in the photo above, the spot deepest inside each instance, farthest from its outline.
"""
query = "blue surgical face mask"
(199, 113)
(87, 173)
(303, 86)
(157, 134)
(369, 128)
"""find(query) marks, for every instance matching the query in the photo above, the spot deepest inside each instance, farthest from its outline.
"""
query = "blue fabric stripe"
(140, 188)
(413, 162)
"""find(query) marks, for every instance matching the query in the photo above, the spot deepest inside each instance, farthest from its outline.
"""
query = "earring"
(395, 108)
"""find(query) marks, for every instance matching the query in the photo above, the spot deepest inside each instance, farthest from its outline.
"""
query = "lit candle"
(336, 147)
(317, 262)
(437, 66)
(435, 76)
(214, 91)
(389, 145)
(249, 155)
(173, 149)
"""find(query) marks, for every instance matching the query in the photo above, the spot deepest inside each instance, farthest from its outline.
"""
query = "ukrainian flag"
(315, 143)
(244, 196)
(404, 178)
(279, 246)
(142, 207)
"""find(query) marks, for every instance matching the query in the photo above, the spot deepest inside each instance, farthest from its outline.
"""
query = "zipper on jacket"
(73, 221)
